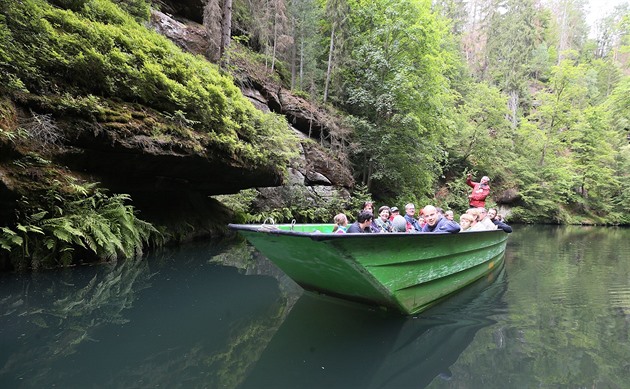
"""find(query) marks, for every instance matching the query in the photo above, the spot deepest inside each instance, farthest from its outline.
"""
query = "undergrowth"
(73, 222)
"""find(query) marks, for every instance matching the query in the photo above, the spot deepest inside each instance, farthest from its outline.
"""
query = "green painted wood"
(406, 272)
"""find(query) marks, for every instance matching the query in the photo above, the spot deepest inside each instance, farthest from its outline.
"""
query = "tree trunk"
(213, 23)
(513, 107)
(330, 58)
(301, 63)
(293, 60)
(226, 31)
(275, 42)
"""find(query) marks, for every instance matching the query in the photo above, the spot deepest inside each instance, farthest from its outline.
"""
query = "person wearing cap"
(481, 190)
(393, 212)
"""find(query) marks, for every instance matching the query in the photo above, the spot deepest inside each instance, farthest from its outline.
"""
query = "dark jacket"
(355, 227)
(502, 226)
(443, 225)
(414, 223)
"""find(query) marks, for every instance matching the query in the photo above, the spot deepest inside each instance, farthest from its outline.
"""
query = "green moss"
(94, 48)
(7, 115)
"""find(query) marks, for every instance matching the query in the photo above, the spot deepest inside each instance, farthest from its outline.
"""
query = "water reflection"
(48, 315)
(556, 315)
(341, 345)
(175, 320)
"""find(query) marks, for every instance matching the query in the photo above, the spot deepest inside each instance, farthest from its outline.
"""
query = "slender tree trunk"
(226, 31)
(330, 58)
(301, 64)
(293, 69)
(564, 34)
(275, 42)
(513, 106)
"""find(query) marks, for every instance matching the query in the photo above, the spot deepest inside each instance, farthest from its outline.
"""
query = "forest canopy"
(523, 91)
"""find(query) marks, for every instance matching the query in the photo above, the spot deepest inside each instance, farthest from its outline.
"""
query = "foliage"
(72, 221)
(395, 88)
(94, 47)
(299, 205)
(483, 136)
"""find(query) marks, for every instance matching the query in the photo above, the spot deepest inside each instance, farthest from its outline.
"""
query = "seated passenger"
(498, 220)
(369, 206)
(478, 224)
(399, 224)
(421, 220)
(437, 223)
(465, 221)
(474, 212)
(382, 222)
(410, 211)
(362, 225)
(393, 212)
(485, 220)
(341, 223)
(449, 215)
(396, 212)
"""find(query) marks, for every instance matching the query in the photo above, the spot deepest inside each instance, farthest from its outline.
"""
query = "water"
(555, 315)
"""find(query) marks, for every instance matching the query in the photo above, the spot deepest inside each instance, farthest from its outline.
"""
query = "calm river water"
(555, 315)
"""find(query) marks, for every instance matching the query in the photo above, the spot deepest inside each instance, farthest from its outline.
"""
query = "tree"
(304, 18)
(337, 12)
(610, 31)
(483, 137)
(217, 18)
(395, 83)
(571, 25)
(514, 35)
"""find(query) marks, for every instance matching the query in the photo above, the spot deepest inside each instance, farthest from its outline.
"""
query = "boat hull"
(405, 272)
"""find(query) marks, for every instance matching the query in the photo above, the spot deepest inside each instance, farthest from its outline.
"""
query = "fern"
(85, 218)
(9, 239)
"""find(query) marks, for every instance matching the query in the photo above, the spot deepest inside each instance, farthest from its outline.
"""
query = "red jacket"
(479, 193)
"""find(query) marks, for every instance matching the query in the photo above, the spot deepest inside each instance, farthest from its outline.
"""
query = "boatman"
(436, 223)
(481, 190)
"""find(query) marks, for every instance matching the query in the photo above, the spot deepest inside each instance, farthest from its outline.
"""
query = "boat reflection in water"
(326, 345)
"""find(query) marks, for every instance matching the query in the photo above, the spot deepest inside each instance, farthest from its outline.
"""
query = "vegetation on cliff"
(94, 48)
(97, 62)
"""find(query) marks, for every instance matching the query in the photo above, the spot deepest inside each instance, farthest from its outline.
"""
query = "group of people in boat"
(431, 218)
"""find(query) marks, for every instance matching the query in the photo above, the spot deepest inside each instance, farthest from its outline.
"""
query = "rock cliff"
(170, 175)
(321, 172)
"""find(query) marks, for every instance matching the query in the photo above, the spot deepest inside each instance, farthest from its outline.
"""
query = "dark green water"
(555, 315)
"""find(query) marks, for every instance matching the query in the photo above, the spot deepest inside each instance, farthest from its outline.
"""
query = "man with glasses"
(410, 211)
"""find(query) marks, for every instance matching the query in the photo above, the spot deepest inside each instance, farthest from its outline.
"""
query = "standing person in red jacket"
(480, 191)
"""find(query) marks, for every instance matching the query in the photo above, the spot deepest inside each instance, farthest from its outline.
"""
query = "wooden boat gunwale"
(320, 236)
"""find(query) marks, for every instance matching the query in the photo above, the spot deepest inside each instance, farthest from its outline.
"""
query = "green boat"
(404, 272)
